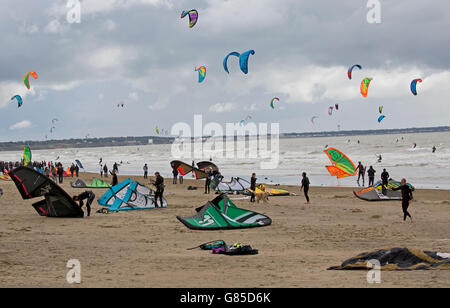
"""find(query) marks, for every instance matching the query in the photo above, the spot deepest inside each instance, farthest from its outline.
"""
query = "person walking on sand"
(159, 185)
(253, 187)
(371, 173)
(145, 171)
(406, 197)
(361, 172)
(305, 186)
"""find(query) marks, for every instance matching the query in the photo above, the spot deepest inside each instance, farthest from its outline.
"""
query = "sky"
(141, 53)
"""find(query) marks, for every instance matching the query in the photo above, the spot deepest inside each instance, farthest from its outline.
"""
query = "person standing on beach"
(115, 181)
(101, 171)
(60, 173)
(305, 186)
(87, 195)
(371, 173)
(175, 175)
(406, 197)
(77, 170)
(253, 186)
(145, 171)
(159, 185)
(105, 170)
(384, 180)
(208, 183)
(361, 172)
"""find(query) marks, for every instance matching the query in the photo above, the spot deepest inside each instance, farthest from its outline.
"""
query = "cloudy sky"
(142, 53)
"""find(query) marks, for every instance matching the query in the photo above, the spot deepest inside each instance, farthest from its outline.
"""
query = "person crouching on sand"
(305, 186)
(87, 195)
(406, 197)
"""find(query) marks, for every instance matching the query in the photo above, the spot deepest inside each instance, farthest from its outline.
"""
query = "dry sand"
(148, 248)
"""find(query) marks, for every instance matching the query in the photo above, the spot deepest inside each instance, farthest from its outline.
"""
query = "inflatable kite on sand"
(341, 166)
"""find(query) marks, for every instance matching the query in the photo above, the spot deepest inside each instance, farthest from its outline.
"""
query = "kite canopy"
(26, 78)
(272, 101)
(330, 110)
(201, 73)
(26, 155)
(365, 86)
(243, 60)
(375, 192)
(193, 17)
(96, 183)
(79, 164)
(207, 166)
(235, 185)
(414, 86)
(57, 203)
(129, 195)
(342, 165)
(380, 109)
(396, 259)
(221, 213)
(19, 100)
(350, 70)
(184, 169)
(313, 118)
(380, 118)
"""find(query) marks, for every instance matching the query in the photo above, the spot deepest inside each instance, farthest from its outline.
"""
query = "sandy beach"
(148, 248)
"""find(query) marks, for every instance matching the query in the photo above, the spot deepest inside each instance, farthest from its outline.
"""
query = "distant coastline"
(146, 140)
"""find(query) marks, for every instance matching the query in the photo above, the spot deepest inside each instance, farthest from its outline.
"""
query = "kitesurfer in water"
(87, 195)
(379, 158)
(371, 173)
(253, 187)
(406, 197)
(361, 173)
(159, 184)
(433, 150)
(305, 186)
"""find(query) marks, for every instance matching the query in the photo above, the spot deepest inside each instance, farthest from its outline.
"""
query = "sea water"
(418, 165)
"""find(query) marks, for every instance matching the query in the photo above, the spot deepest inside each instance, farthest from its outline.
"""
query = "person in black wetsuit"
(371, 173)
(433, 150)
(406, 197)
(253, 187)
(159, 184)
(361, 172)
(384, 180)
(305, 186)
(208, 183)
(115, 181)
(87, 195)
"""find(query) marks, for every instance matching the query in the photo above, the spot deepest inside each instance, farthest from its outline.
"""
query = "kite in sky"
(365, 86)
(272, 101)
(243, 60)
(26, 78)
(330, 110)
(341, 166)
(201, 73)
(380, 109)
(313, 118)
(414, 86)
(381, 118)
(19, 100)
(193, 17)
(350, 70)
